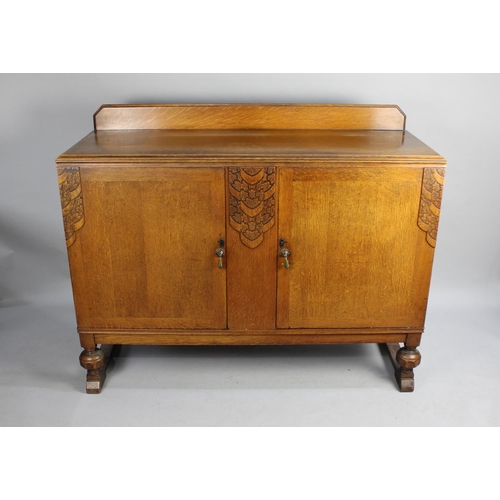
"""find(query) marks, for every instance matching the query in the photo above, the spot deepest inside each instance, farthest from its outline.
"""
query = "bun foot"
(404, 359)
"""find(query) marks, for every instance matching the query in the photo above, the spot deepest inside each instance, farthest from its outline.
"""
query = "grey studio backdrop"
(41, 382)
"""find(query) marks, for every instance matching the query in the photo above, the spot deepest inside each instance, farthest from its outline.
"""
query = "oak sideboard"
(249, 224)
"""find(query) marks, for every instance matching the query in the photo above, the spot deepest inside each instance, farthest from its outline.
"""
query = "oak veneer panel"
(251, 282)
(251, 243)
(249, 116)
(145, 255)
(358, 257)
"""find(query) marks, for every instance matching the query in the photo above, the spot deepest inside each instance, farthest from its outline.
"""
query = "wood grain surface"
(146, 256)
(249, 116)
(358, 258)
(252, 241)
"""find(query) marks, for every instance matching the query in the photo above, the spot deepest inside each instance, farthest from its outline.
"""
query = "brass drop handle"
(285, 253)
(220, 253)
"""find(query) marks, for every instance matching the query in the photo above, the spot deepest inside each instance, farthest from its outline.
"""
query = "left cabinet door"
(143, 254)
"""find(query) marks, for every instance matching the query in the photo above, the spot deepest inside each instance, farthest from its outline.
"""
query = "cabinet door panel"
(145, 257)
(358, 258)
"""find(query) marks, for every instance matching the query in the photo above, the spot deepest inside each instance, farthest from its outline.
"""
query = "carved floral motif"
(430, 202)
(71, 201)
(252, 202)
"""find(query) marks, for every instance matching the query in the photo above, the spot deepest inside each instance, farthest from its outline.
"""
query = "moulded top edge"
(233, 145)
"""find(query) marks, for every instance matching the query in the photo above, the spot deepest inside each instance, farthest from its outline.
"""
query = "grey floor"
(42, 384)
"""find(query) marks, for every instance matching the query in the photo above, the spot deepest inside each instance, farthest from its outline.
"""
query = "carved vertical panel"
(430, 202)
(71, 201)
(252, 202)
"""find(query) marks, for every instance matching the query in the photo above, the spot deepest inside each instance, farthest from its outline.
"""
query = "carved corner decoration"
(430, 202)
(252, 202)
(71, 201)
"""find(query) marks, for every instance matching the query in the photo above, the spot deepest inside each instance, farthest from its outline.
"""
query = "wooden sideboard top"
(232, 133)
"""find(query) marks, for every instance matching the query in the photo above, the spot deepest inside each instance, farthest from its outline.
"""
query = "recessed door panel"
(145, 257)
(358, 257)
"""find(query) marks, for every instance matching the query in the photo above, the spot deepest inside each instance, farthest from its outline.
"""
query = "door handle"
(220, 253)
(285, 253)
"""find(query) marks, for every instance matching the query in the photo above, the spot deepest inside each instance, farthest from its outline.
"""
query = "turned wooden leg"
(404, 359)
(95, 361)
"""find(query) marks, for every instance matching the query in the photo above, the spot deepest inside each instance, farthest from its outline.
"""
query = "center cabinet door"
(145, 257)
(358, 258)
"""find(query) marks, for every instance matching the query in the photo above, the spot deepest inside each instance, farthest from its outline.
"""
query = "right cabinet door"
(358, 258)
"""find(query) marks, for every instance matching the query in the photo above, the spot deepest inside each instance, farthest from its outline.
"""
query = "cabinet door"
(358, 258)
(145, 255)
